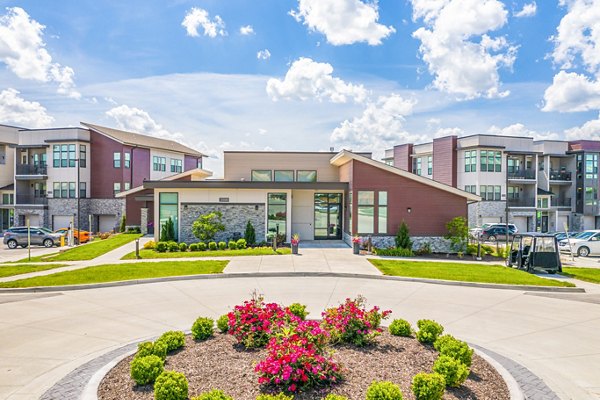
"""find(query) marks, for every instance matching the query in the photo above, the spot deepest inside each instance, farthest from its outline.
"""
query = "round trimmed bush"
(453, 371)
(161, 247)
(202, 246)
(150, 245)
(157, 348)
(242, 244)
(448, 345)
(280, 396)
(232, 245)
(212, 245)
(383, 390)
(400, 327)
(222, 245)
(171, 385)
(428, 386)
(203, 328)
(145, 370)
(429, 330)
(173, 247)
(194, 247)
(213, 395)
(183, 246)
(173, 340)
(223, 323)
(299, 310)
(332, 396)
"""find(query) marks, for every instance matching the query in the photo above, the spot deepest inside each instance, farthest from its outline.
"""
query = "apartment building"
(8, 141)
(64, 175)
(544, 185)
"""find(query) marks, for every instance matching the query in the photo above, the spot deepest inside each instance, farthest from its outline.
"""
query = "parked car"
(534, 251)
(584, 244)
(17, 236)
(79, 236)
(477, 231)
(496, 232)
(563, 235)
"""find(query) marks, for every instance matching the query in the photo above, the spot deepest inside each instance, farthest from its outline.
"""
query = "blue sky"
(352, 74)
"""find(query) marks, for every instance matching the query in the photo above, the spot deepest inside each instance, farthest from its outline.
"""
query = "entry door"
(544, 223)
(328, 216)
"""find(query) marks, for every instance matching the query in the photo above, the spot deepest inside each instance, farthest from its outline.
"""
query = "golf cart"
(535, 251)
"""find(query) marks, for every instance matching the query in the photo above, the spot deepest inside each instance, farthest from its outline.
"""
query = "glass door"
(328, 216)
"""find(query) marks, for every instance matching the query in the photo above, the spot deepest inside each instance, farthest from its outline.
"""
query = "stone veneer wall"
(577, 223)
(438, 244)
(43, 213)
(235, 218)
(485, 209)
(87, 207)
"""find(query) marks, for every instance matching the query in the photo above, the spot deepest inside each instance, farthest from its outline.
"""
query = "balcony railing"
(25, 199)
(522, 202)
(32, 169)
(521, 174)
(560, 175)
(561, 202)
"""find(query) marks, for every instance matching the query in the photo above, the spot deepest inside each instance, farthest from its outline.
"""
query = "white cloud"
(380, 126)
(198, 17)
(528, 10)
(441, 132)
(343, 21)
(22, 49)
(247, 30)
(572, 92)
(139, 121)
(16, 110)
(307, 79)
(588, 131)
(263, 54)
(457, 48)
(521, 130)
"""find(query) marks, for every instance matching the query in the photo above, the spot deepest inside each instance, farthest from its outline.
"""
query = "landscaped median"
(585, 274)
(254, 251)
(465, 272)
(19, 269)
(121, 272)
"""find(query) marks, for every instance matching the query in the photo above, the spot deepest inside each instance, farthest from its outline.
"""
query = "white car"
(584, 244)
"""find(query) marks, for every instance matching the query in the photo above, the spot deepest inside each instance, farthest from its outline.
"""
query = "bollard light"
(137, 248)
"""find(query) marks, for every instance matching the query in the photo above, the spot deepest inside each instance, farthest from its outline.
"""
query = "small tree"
(250, 234)
(402, 237)
(123, 223)
(167, 231)
(208, 225)
(458, 233)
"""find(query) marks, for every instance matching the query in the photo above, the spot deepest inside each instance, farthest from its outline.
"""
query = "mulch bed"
(219, 363)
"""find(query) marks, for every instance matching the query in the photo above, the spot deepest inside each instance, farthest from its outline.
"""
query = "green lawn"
(584, 274)
(89, 251)
(18, 269)
(257, 251)
(121, 272)
(462, 272)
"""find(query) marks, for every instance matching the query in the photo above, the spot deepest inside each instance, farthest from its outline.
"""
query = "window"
(514, 165)
(116, 187)
(64, 190)
(513, 192)
(429, 165)
(350, 212)
(176, 165)
(56, 156)
(262, 175)
(545, 245)
(591, 196)
(284, 176)
(471, 161)
(127, 186)
(82, 190)
(490, 192)
(159, 163)
(306, 176)
(277, 213)
(542, 202)
(117, 159)
(366, 211)
(471, 189)
(56, 191)
(418, 166)
(382, 212)
(591, 166)
(168, 204)
(72, 156)
(82, 156)
(63, 156)
(199, 164)
(39, 189)
(497, 193)
(491, 161)
(71, 190)
(127, 160)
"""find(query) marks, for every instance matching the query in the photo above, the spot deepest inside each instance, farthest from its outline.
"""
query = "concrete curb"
(513, 386)
(526, 288)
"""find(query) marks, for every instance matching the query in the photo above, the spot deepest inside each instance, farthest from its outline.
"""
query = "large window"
(591, 166)
(116, 187)
(262, 175)
(159, 163)
(350, 212)
(39, 189)
(277, 213)
(418, 170)
(168, 204)
(82, 190)
(366, 211)
(127, 160)
(429, 165)
(284, 176)
(82, 156)
(117, 159)
(513, 192)
(63, 155)
(491, 161)
(471, 161)
(591, 196)
(490, 192)
(471, 189)
(382, 211)
(176, 165)
(306, 176)
(66, 190)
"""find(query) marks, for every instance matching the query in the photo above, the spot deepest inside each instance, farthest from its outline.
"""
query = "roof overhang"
(217, 184)
(196, 174)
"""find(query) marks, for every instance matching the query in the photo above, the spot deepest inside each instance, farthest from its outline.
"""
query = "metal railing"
(26, 199)
(31, 169)
(521, 174)
(522, 202)
(560, 175)
(561, 202)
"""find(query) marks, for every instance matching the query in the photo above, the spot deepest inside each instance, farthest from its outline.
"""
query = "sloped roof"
(196, 174)
(137, 139)
(345, 156)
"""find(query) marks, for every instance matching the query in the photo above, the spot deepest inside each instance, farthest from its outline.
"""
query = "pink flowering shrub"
(352, 323)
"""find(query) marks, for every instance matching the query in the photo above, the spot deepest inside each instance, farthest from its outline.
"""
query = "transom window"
(176, 165)
(262, 175)
(306, 176)
(284, 176)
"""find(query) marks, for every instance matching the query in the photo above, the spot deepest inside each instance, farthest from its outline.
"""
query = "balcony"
(29, 200)
(560, 176)
(524, 202)
(522, 174)
(561, 202)
(31, 169)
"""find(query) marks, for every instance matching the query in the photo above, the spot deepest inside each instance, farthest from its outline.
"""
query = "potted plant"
(295, 242)
(356, 241)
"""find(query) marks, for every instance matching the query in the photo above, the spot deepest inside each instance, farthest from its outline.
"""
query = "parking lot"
(7, 255)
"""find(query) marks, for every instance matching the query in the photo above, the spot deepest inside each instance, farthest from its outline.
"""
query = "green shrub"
(150, 245)
(145, 370)
(171, 385)
(173, 247)
(280, 396)
(428, 330)
(208, 225)
(448, 345)
(167, 231)
(332, 396)
(232, 245)
(157, 348)
(383, 390)
(485, 249)
(183, 246)
(212, 245)
(202, 246)
(400, 327)
(223, 323)
(213, 395)
(453, 371)
(194, 247)
(222, 245)
(402, 238)
(394, 252)
(250, 234)
(203, 328)
(161, 247)
(123, 223)
(428, 386)
(242, 244)
(173, 339)
(424, 249)
(299, 310)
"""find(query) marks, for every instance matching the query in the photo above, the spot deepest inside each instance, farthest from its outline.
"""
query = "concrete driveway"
(45, 336)
(8, 255)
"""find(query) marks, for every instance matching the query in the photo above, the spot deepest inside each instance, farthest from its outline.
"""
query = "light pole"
(78, 194)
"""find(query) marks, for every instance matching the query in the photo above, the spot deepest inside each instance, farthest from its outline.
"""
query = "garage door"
(34, 220)
(521, 223)
(107, 222)
(61, 221)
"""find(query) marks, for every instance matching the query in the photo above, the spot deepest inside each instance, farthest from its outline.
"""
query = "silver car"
(17, 236)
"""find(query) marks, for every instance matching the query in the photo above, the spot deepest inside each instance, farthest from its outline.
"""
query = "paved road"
(45, 336)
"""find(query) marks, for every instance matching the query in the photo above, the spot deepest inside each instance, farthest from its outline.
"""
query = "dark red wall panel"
(444, 160)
